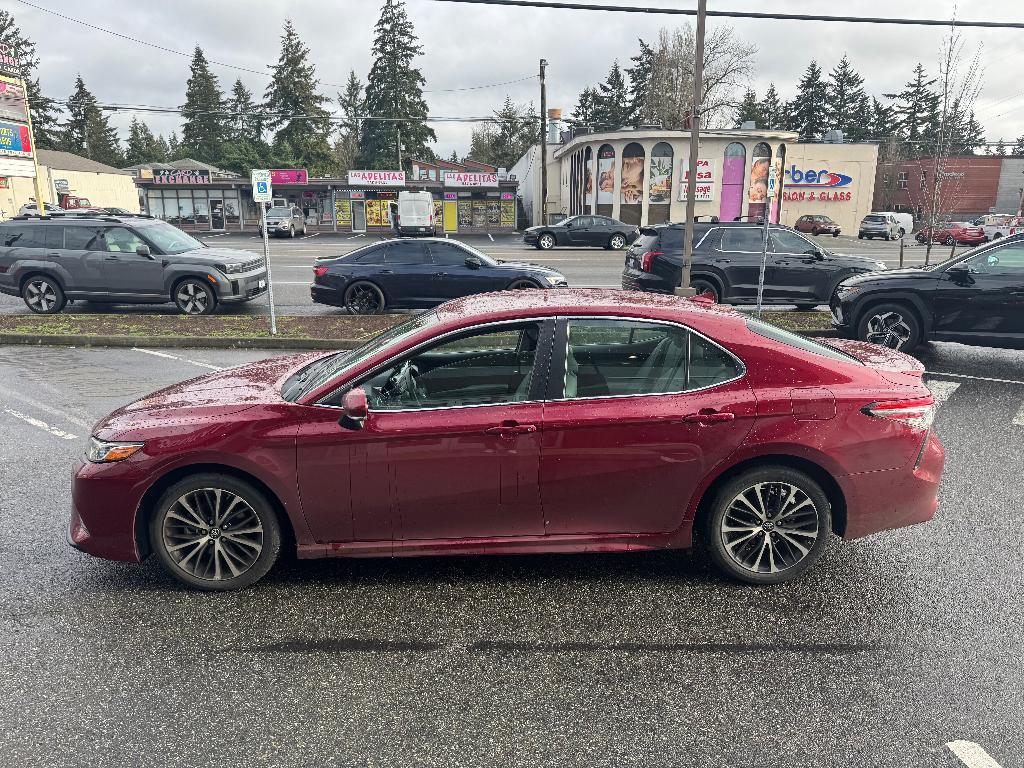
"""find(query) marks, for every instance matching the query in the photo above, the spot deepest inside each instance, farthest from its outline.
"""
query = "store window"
(631, 190)
(201, 203)
(231, 209)
(660, 187)
(733, 169)
(924, 179)
(186, 210)
(605, 179)
(155, 203)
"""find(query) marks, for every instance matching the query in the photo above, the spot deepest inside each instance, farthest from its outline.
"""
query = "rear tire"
(949, 241)
(43, 295)
(891, 325)
(702, 286)
(364, 298)
(768, 525)
(806, 307)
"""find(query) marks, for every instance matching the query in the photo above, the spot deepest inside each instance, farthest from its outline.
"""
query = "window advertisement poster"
(605, 175)
(479, 213)
(343, 210)
(493, 213)
(705, 189)
(632, 188)
(588, 180)
(757, 192)
(508, 213)
(465, 213)
(12, 100)
(660, 191)
(14, 140)
(376, 213)
(438, 211)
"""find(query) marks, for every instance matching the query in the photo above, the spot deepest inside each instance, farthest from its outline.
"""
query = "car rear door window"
(617, 358)
(369, 256)
(23, 237)
(741, 239)
(448, 255)
(405, 252)
(83, 239)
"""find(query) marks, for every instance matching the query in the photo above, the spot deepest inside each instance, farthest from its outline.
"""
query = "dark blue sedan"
(416, 274)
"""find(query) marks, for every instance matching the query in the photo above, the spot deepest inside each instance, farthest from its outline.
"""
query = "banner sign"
(13, 105)
(459, 179)
(705, 180)
(175, 176)
(9, 64)
(288, 176)
(815, 179)
(14, 140)
(377, 178)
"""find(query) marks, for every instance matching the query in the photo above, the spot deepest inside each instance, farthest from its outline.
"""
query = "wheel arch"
(173, 281)
(712, 277)
(389, 301)
(169, 478)
(35, 271)
(914, 302)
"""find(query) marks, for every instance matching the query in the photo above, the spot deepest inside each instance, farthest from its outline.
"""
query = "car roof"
(61, 217)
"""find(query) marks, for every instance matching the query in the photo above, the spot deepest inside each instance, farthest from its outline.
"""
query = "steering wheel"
(402, 385)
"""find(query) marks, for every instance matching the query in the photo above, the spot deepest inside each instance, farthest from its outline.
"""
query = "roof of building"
(66, 161)
(662, 133)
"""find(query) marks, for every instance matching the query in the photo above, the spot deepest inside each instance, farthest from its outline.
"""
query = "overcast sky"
(467, 46)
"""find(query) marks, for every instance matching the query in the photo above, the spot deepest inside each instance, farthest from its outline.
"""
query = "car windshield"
(279, 211)
(319, 372)
(168, 238)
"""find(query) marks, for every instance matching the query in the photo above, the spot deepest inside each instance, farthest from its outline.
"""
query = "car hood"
(907, 273)
(214, 256)
(203, 399)
(525, 266)
(857, 262)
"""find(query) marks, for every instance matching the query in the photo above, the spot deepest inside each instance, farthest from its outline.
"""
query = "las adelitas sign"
(456, 179)
(377, 178)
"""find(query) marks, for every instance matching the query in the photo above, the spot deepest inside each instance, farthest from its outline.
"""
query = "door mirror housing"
(818, 255)
(356, 409)
(143, 250)
(958, 272)
(473, 262)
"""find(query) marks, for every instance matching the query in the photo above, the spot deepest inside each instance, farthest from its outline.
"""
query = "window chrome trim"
(565, 359)
(377, 369)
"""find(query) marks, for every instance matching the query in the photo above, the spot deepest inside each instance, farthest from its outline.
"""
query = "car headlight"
(881, 266)
(554, 279)
(105, 451)
(231, 269)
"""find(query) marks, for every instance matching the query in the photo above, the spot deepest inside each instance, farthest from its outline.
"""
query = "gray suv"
(125, 260)
(285, 221)
(883, 225)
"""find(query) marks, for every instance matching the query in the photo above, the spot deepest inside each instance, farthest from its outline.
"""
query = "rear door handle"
(387, 271)
(708, 416)
(511, 429)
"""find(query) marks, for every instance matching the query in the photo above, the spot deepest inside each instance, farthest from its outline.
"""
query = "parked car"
(415, 274)
(905, 221)
(51, 260)
(470, 430)
(32, 209)
(727, 264)
(956, 232)
(973, 299)
(1003, 226)
(817, 225)
(883, 225)
(118, 211)
(596, 231)
(414, 214)
(285, 221)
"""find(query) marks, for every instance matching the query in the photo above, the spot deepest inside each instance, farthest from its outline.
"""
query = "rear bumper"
(323, 294)
(896, 498)
(633, 280)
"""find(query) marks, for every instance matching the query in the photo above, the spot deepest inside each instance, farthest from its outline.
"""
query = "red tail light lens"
(319, 271)
(647, 258)
(917, 413)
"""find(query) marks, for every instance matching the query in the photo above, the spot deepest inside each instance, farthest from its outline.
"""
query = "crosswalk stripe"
(942, 390)
(1018, 420)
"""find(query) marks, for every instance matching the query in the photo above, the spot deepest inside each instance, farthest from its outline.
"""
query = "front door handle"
(112, 258)
(510, 429)
(387, 271)
(708, 416)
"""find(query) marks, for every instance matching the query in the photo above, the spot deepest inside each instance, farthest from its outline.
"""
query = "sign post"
(764, 238)
(263, 193)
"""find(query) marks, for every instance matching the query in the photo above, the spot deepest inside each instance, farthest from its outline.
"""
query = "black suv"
(727, 263)
(134, 259)
(976, 298)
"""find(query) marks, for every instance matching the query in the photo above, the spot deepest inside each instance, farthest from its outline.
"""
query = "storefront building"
(360, 202)
(639, 177)
(63, 174)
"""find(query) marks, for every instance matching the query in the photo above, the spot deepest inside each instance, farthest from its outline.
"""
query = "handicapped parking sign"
(261, 189)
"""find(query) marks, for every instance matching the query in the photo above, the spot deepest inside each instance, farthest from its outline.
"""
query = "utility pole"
(684, 288)
(543, 145)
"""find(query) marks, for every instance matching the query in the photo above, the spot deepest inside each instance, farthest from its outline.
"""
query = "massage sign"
(814, 185)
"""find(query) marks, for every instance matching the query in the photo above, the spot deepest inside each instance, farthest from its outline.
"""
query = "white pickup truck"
(998, 225)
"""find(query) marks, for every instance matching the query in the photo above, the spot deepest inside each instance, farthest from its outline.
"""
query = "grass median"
(249, 328)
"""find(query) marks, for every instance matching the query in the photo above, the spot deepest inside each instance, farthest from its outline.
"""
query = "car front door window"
(124, 270)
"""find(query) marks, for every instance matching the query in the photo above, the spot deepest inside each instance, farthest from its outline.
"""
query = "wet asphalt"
(891, 647)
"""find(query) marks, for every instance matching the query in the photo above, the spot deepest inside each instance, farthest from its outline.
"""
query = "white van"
(414, 214)
(905, 220)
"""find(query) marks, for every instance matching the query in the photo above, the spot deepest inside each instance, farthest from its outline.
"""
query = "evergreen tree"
(394, 91)
(883, 117)
(161, 148)
(612, 106)
(844, 98)
(143, 146)
(1018, 148)
(204, 129)
(504, 141)
(586, 107)
(772, 110)
(350, 101)
(916, 112)
(807, 111)
(862, 120)
(296, 110)
(173, 147)
(1000, 147)
(43, 110)
(964, 133)
(749, 109)
(454, 158)
(640, 84)
(87, 131)
(245, 148)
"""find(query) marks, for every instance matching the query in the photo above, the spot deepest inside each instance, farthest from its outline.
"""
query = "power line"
(745, 14)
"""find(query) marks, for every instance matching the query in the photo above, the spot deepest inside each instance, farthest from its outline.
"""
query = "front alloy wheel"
(617, 243)
(890, 328)
(546, 242)
(194, 298)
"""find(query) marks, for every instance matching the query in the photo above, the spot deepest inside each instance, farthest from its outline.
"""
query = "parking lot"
(891, 647)
(292, 260)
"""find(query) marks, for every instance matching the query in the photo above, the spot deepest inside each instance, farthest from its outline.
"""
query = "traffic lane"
(894, 645)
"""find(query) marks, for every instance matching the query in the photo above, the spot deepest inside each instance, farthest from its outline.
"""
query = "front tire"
(194, 297)
(215, 532)
(364, 298)
(291, 231)
(891, 325)
(617, 242)
(949, 241)
(806, 307)
(522, 285)
(43, 295)
(768, 525)
(546, 241)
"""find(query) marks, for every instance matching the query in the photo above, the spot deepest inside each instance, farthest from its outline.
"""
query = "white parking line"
(973, 378)
(941, 390)
(972, 755)
(46, 408)
(307, 237)
(1018, 420)
(182, 359)
(490, 236)
(355, 237)
(40, 425)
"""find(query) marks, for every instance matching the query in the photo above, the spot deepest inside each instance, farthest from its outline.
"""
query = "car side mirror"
(818, 255)
(473, 262)
(356, 409)
(143, 250)
(959, 272)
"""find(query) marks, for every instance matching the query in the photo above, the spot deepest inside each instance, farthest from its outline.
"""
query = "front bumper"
(104, 501)
(243, 287)
(842, 316)
(530, 238)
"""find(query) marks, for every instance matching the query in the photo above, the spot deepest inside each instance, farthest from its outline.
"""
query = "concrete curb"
(177, 342)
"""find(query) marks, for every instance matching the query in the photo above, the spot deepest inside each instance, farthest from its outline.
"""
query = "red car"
(959, 233)
(517, 422)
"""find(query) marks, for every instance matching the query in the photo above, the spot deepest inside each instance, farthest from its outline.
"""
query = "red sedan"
(516, 422)
(959, 233)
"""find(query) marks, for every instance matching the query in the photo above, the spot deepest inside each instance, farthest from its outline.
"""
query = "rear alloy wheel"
(546, 241)
(617, 242)
(768, 525)
(891, 325)
(520, 285)
(215, 532)
(193, 297)
(815, 232)
(364, 298)
(43, 295)
(949, 240)
(705, 287)
(291, 231)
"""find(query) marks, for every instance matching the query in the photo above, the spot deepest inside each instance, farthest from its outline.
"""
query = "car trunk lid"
(894, 366)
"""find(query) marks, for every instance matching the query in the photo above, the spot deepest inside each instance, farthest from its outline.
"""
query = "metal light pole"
(543, 145)
(684, 288)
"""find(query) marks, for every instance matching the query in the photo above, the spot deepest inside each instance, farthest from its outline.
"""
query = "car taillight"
(647, 258)
(319, 271)
(917, 413)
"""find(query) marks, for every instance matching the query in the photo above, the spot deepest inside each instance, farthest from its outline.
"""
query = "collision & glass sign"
(813, 184)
